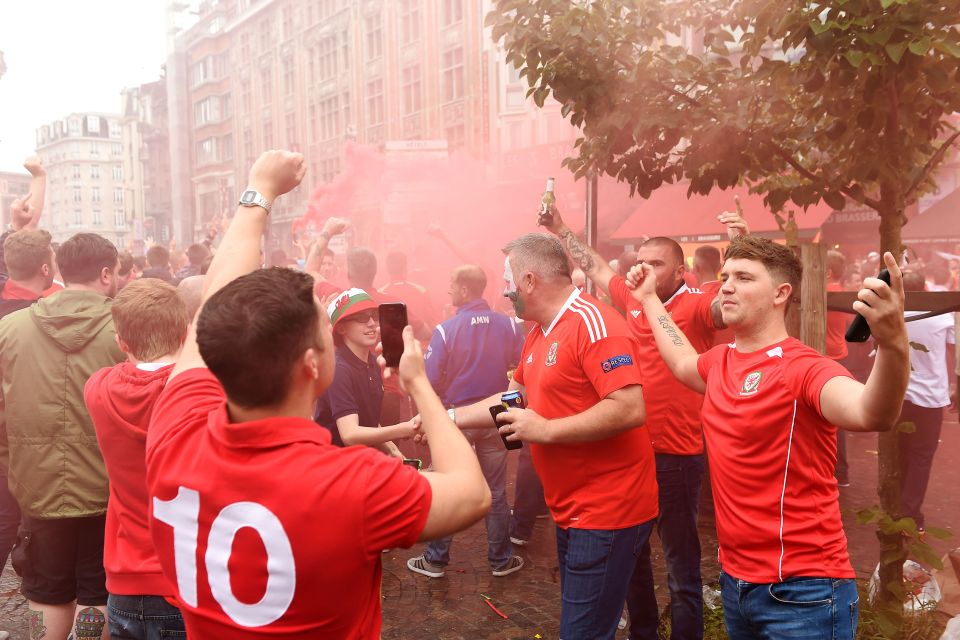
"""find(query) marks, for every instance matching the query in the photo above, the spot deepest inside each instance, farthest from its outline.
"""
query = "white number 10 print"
(183, 513)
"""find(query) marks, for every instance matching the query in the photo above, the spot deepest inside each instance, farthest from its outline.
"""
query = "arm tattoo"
(667, 324)
(582, 256)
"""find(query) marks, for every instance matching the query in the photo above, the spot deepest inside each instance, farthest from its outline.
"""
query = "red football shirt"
(266, 528)
(673, 409)
(772, 456)
(585, 355)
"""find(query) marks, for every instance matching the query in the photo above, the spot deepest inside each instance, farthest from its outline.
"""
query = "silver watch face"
(248, 197)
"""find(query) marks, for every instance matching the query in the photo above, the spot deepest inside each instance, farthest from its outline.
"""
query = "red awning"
(670, 213)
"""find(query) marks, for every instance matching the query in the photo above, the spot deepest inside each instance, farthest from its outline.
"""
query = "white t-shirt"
(929, 378)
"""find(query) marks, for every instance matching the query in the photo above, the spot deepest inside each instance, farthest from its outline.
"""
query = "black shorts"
(61, 560)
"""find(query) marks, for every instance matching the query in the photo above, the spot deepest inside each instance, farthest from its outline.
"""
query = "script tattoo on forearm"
(667, 324)
(582, 256)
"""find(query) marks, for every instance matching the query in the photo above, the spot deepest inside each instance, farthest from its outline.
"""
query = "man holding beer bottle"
(579, 375)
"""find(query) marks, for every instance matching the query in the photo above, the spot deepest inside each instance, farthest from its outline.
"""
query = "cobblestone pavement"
(451, 607)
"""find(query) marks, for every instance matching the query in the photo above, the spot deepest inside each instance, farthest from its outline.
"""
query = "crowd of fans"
(197, 444)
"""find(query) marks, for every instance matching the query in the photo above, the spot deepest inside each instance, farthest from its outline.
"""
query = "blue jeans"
(679, 479)
(143, 618)
(493, 462)
(595, 570)
(798, 608)
(528, 500)
(9, 520)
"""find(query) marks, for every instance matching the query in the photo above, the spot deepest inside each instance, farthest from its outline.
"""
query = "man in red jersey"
(771, 410)
(265, 528)
(673, 420)
(579, 374)
(151, 322)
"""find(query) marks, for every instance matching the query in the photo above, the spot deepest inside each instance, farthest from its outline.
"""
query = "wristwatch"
(253, 198)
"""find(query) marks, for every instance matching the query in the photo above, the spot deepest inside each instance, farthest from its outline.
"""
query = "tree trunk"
(892, 549)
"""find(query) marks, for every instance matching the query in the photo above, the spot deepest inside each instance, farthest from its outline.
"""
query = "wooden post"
(590, 223)
(813, 296)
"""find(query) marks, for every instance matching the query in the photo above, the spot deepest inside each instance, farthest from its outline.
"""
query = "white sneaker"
(518, 541)
(424, 568)
(514, 565)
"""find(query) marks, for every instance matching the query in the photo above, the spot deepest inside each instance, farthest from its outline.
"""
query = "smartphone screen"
(496, 410)
(393, 318)
(416, 463)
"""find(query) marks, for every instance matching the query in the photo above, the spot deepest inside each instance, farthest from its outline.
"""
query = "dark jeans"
(9, 520)
(801, 608)
(143, 618)
(527, 497)
(595, 570)
(679, 479)
(916, 456)
(493, 462)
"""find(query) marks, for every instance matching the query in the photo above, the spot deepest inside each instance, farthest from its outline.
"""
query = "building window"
(206, 151)
(118, 195)
(375, 101)
(374, 30)
(246, 94)
(266, 84)
(345, 100)
(245, 46)
(409, 21)
(326, 8)
(77, 195)
(266, 35)
(202, 71)
(267, 134)
(94, 149)
(452, 68)
(290, 120)
(329, 112)
(204, 111)
(96, 218)
(248, 146)
(288, 76)
(452, 12)
(288, 21)
(115, 149)
(119, 218)
(77, 216)
(327, 57)
(226, 106)
(117, 172)
(76, 172)
(95, 194)
(345, 49)
(411, 89)
(226, 148)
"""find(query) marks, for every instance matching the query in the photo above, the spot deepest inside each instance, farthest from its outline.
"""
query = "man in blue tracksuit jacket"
(467, 360)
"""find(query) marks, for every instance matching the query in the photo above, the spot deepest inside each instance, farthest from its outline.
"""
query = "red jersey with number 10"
(567, 368)
(266, 529)
(772, 456)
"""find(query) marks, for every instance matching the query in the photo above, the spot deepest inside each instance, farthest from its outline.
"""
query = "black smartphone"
(416, 463)
(393, 318)
(859, 330)
(496, 410)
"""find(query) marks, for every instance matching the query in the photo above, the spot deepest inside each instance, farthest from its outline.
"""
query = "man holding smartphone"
(583, 422)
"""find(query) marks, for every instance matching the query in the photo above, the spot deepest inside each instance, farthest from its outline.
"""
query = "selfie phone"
(496, 410)
(393, 318)
(416, 463)
(859, 330)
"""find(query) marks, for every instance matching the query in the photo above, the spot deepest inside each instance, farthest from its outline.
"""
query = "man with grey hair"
(191, 292)
(583, 423)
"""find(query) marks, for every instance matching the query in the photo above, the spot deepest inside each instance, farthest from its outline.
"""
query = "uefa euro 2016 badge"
(552, 354)
(751, 384)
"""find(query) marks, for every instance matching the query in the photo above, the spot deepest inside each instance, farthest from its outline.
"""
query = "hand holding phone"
(859, 330)
(393, 318)
(496, 410)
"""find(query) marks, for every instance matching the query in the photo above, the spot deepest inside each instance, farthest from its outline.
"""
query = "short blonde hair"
(26, 251)
(151, 318)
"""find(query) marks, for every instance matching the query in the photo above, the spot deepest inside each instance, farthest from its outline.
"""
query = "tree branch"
(819, 180)
(931, 164)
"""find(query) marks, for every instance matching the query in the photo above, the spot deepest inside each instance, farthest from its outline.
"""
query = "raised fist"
(276, 173)
(34, 165)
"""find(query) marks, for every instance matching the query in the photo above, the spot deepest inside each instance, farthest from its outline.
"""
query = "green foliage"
(835, 100)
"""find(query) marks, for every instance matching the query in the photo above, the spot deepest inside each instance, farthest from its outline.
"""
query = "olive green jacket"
(50, 452)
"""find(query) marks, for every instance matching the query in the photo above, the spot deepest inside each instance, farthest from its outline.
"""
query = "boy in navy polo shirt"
(351, 406)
